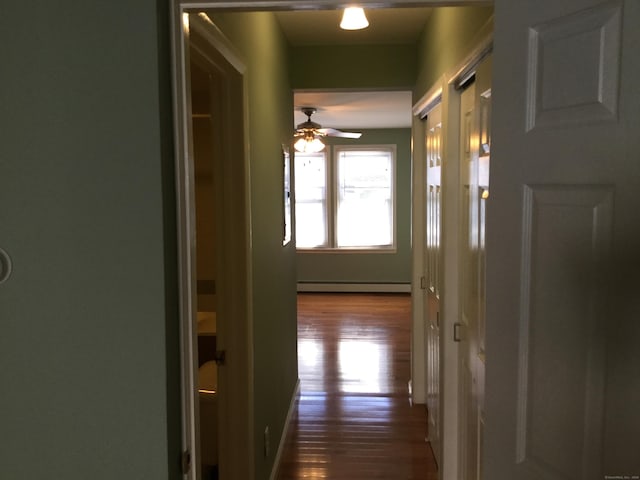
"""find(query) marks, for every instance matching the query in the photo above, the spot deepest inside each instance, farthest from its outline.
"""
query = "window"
(346, 201)
(311, 200)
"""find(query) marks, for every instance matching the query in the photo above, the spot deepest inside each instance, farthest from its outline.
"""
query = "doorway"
(214, 252)
(542, 106)
(257, 435)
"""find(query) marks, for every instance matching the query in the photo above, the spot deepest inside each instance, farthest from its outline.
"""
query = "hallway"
(353, 418)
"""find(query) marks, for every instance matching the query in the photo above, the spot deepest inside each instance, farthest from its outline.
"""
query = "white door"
(474, 150)
(432, 257)
(563, 232)
(465, 331)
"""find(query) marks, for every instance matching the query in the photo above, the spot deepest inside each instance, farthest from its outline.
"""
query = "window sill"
(348, 250)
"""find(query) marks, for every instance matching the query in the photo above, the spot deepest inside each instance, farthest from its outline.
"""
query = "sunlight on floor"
(362, 366)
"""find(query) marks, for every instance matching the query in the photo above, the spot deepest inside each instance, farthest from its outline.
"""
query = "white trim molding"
(285, 431)
(256, 5)
(354, 287)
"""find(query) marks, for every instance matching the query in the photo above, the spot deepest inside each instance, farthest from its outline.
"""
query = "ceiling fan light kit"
(354, 18)
(311, 144)
(309, 134)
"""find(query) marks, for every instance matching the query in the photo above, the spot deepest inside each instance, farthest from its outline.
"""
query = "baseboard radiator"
(354, 287)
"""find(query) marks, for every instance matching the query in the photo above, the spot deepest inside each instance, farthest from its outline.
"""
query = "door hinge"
(185, 462)
(423, 283)
(220, 357)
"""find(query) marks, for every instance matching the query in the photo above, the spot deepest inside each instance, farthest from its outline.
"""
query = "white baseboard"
(285, 431)
(355, 287)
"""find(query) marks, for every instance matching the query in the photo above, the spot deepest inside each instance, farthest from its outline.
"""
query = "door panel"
(563, 226)
(562, 322)
(432, 257)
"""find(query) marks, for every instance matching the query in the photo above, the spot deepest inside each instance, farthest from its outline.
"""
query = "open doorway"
(260, 425)
(536, 124)
(215, 249)
(408, 78)
(206, 147)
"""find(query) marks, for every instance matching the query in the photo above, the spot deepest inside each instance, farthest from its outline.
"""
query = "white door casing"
(563, 230)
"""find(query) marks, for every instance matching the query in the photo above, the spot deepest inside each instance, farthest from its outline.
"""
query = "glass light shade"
(354, 18)
(309, 145)
(299, 145)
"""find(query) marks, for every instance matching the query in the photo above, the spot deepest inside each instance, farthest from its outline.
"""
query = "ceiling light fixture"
(354, 18)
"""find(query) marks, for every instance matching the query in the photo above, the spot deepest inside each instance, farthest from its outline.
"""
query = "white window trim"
(331, 155)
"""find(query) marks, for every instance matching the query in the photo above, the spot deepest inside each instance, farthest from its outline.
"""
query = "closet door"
(475, 148)
(433, 255)
(464, 329)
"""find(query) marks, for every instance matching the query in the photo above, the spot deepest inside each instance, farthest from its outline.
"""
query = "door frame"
(233, 278)
(180, 80)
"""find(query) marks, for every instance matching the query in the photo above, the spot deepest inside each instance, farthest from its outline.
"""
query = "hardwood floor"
(353, 418)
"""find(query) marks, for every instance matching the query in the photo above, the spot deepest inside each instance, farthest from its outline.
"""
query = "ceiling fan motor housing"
(308, 125)
(310, 130)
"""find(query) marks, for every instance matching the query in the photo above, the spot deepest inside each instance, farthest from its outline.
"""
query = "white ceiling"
(355, 109)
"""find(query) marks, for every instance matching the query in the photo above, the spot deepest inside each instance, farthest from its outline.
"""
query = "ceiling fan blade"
(332, 132)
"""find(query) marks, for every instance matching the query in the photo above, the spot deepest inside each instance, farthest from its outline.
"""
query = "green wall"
(89, 348)
(447, 38)
(363, 67)
(88, 319)
(353, 66)
(259, 40)
(324, 267)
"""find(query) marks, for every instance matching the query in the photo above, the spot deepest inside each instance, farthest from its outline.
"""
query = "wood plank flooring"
(353, 418)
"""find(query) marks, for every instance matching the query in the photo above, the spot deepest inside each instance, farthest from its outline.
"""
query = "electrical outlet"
(267, 446)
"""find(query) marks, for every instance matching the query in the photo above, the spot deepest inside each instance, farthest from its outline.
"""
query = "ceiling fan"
(309, 133)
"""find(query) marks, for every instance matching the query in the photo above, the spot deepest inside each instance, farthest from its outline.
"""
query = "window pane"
(311, 200)
(365, 194)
